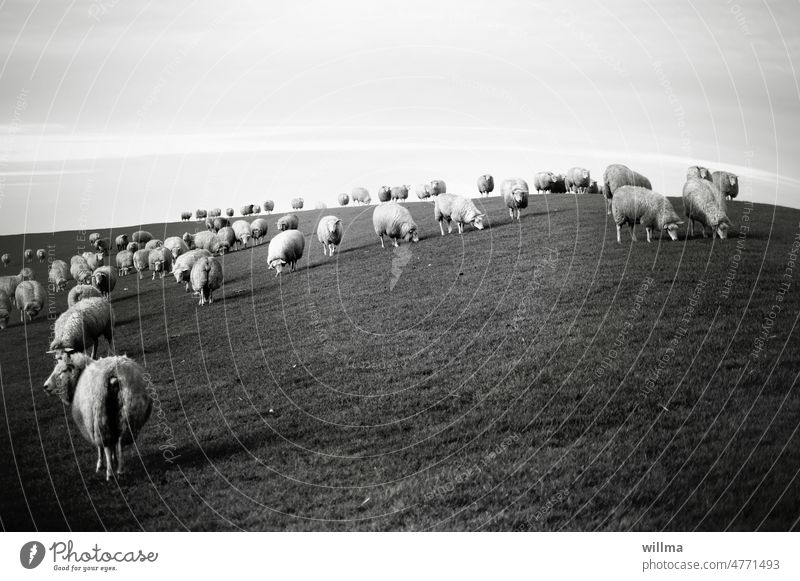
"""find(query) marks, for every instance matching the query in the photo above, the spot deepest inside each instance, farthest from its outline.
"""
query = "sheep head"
(65, 375)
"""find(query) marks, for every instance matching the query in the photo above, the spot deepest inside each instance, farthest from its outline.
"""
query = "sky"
(117, 113)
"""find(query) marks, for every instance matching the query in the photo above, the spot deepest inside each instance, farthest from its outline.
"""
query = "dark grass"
(494, 386)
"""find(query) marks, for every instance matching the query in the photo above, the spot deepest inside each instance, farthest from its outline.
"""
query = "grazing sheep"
(5, 259)
(207, 241)
(438, 187)
(220, 222)
(109, 399)
(206, 277)
(384, 194)
(593, 189)
(329, 233)
(288, 222)
(80, 292)
(485, 184)
(141, 237)
(28, 255)
(297, 203)
(124, 260)
(543, 181)
(101, 245)
(27, 274)
(94, 259)
(200, 214)
(229, 212)
(559, 185)
(132, 247)
(93, 236)
(186, 216)
(286, 248)
(578, 180)
(638, 205)
(259, 229)
(189, 239)
(702, 203)
(395, 222)
(141, 261)
(176, 246)
(618, 175)
(515, 195)
(209, 224)
(82, 325)
(458, 209)
(343, 199)
(80, 270)
(104, 279)
(5, 309)
(227, 238)
(399, 193)
(214, 212)
(121, 242)
(30, 297)
(182, 267)
(269, 206)
(360, 195)
(243, 233)
(154, 243)
(727, 183)
(423, 191)
(159, 261)
(698, 171)
(58, 274)
(41, 255)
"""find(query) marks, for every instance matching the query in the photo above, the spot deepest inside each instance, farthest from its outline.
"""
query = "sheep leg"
(633, 234)
(511, 213)
(619, 233)
(99, 459)
(449, 227)
(441, 227)
(395, 242)
(109, 463)
(649, 233)
(460, 227)
(381, 237)
(120, 470)
(324, 249)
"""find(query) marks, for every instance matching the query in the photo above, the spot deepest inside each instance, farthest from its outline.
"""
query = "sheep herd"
(108, 396)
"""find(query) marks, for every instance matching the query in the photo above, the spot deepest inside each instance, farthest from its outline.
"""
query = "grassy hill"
(532, 376)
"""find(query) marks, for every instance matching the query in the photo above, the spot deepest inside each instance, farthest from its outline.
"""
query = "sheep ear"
(69, 350)
(679, 222)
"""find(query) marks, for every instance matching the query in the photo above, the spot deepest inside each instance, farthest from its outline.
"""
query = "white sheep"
(269, 205)
(132, 247)
(94, 259)
(220, 222)
(41, 255)
(176, 246)
(438, 187)
(141, 237)
(360, 195)
(543, 181)
(286, 248)
(109, 401)
(698, 171)
(182, 267)
(288, 222)
(702, 203)
(8, 284)
(423, 191)
(200, 214)
(399, 193)
(227, 238)
(727, 183)
(94, 236)
(82, 325)
(141, 261)
(80, 292)
(121, 242)
(485, 184)
(30, 298)
(384, 194)
(210, 224)
(159, 261)
(618, 175)
(297, 203)
(458, 209)
(515, 195)
(58, 275)
(5, 259)
(28, 255)
(104, 279)
(243, 233)
(188, 239)
(27, 274)
(124, 261)
(343, 199)
(5, 309)
(214, 212)
(207, 241)
(329, 234)
(578, 180)
(229, 212)
(206, 277)
(80, 270)
(638, 205)
(153, 243)
(395, 222)
(259, 229)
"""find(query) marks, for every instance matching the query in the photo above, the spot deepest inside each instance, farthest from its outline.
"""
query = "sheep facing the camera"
(93, 237)
(285, 249)
(104, 279)
(159, 261)
(206, 277)
(578, 180)
(28, 254)
(727, 183)
(394, 221)
(141, 261)
(109, 402)
(30, 298)
(384, 194)
(702, 203)
(637, 205)
(121, 242)
(41, 255)
(124, 260)
(343, 199)
(80, 292)
(515, 195)
(243, 233)
(438, 187)
(5, 259)
(618, 175)
(485, 184)
(82, 325)
(288, 222)
(458, 209)
(329, 234)
(58, 275)
(182, 267)
(258, 228)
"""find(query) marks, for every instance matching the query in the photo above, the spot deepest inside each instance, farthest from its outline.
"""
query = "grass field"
(532, 376)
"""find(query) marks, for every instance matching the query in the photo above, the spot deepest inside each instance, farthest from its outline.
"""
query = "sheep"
(394, 221)
(343, 199)
(186, 216)
(80, 270)
(423, 191)
(208, 241)
(189, 239)
(639, 205)
(288, 222)
(30, 297)
(438, 187)
(219, 223)
(104, 279)
(617, 175)
(229, 212)
(384, 194)
(485, 184)
(209, 224)
(101, 245)
(543, 181)
(141, 237)
(214, 212)
(578, 180)
(200, 214)
(154, 243)
(41, 255)
(80, 292)
(93, 259)
(182, 267)
(28, 255)
(227, 238)
(703, 203)
(360, 195)
(727, 183)
(26, 274)
(698, 171)
(593, 189)
(269, 206)
(141, 261)
(132, 247)
(286, 248)
(458, 209)
(243, 233)
(399, 193)
(9, 283)
(176, 246)
(329, 234)
(94, 236)
(121, 242)
(5, 309)
(58, 275)
(109, 401)
(124, 261)
(559, 185)
(159, 261)
(5, 259)
(82, 325)
(206, 277)
(515, 196)
(259, 229)
(297, 203)
(256, 209)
